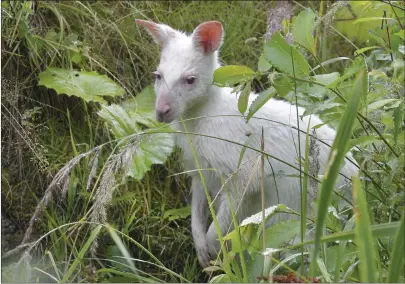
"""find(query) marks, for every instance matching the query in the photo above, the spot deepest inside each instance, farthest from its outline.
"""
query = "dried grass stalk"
(61, 178)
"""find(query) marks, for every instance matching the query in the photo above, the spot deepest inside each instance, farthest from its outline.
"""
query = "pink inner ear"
(209, 36)
(150, 26)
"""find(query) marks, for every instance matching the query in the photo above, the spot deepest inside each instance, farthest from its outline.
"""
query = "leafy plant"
(351, 99)
(114, 140)
(89, 86)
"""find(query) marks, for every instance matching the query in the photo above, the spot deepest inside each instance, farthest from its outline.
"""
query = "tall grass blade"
(81, 254)
(341, 249)
(398, 254)
(364, 238)
(336, 157)
(47, 274)
(122, 248)
(54, 265)
(324, 270)
(127, 276)
(239, 238)
(378, 231)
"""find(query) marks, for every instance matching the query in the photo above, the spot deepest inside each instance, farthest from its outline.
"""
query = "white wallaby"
(184, 90)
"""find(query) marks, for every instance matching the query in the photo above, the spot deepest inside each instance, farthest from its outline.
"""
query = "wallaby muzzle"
(163, 109)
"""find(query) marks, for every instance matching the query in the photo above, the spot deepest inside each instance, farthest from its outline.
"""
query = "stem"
(262, 190)
(388, 35)
(300, 156)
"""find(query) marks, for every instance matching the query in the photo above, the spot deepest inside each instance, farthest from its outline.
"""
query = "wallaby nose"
(163, 113)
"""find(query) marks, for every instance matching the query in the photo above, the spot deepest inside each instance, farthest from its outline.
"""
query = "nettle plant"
(365, 103)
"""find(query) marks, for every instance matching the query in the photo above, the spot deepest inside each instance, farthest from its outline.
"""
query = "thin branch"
(393, 5)
(396, 16)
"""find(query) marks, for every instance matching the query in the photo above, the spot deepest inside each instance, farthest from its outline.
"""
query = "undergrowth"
(66, 158)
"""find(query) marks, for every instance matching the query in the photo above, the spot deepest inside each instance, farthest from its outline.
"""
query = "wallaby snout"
(163, 109)
(164, 114)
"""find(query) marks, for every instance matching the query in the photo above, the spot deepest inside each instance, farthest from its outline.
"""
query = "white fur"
(181, 58)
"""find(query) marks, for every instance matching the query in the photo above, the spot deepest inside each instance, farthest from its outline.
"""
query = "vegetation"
(95, 184)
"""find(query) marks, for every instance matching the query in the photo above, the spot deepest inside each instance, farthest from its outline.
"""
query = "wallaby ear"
(161, 33)
(208, 36)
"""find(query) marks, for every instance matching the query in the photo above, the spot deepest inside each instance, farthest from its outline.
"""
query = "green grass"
(42, 131)
(101, 37)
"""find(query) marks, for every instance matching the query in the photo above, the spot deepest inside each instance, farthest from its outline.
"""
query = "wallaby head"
(186, 67)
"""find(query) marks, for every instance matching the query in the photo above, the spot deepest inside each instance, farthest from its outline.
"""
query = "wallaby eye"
(157, 75)
(190, 80)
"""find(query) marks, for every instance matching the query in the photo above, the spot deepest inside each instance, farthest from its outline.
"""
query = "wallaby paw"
(203, 255)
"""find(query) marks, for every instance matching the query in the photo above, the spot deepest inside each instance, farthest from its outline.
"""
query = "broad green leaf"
(142, 107)
(154, 148)
(261, 99)
(337, 154)
(124, 119)
(263, 64)
(377, 73)
(363, 141)
(177, 213)
(81, 254)
(372, 19)
(364, 238)
(244, 98)
(281, 83)
(282, 56)
(251, 228)
(318, 91)
(401, 34)
(90, 86)
(320, 107)
(23, 28)
(364, 49)
(268, 213)
(362, 9)
(281, 232)
(393, 105)
(76, 57)
(303, 27)
(232, 74)
(354, 68)
(120, 121)
(327, 78)
(378, 104)
(373, 34)
(396, 267)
